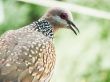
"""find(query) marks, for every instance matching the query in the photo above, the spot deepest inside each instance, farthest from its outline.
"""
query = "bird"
(28, 54)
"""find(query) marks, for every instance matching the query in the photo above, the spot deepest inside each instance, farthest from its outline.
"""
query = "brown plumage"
(27, 54)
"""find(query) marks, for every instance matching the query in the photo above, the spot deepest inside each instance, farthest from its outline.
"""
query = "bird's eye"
(64, 15)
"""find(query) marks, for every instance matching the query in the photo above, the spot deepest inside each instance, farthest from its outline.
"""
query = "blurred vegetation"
(82, 58)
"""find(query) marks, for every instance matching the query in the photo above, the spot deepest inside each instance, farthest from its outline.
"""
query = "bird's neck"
(45, 27)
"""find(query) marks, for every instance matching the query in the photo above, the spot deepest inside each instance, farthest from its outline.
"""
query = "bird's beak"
(72, 26)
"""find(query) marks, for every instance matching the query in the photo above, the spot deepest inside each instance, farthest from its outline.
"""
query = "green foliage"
(18, 14)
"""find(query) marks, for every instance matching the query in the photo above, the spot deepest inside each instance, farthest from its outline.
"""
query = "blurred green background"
(82, 58)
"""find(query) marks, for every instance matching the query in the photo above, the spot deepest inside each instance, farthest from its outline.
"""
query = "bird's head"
(60, 18)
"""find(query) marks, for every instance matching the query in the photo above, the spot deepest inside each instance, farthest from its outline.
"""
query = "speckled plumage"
(27, 51)
(27, 54)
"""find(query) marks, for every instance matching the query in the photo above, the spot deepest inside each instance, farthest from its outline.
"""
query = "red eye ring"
(64, 15)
